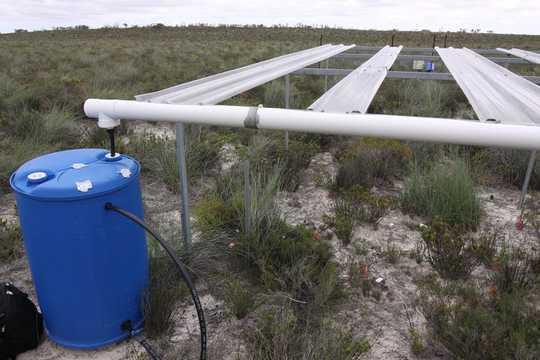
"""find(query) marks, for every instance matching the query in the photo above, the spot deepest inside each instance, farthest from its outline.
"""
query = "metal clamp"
(252, 119)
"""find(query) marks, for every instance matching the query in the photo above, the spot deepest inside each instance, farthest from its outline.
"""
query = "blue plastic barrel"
(89, 265)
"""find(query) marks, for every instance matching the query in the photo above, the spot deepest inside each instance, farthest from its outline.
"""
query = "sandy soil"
(382, 318)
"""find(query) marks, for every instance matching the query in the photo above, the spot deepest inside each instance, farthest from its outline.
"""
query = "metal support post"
(326, 77)
(393, 36)
(247, 198)
(287, 106)
(530, 168)
(445, 39)
(184, 199)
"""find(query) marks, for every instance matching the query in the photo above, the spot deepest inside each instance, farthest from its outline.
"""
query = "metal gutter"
(527, 55)
(216, 88)
(355, 92)
(495, 93)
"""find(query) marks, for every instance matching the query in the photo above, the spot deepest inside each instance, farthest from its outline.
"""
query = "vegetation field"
(356, 248)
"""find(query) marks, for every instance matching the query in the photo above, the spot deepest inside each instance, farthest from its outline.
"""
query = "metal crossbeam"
(419, 49)
(392, 74)
(355, 92)
(495, 93)
(409, 57)
(530, 56)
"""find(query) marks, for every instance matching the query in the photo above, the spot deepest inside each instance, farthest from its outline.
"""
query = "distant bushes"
(444, 191)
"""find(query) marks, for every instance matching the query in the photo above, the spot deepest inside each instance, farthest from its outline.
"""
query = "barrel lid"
(74, 174)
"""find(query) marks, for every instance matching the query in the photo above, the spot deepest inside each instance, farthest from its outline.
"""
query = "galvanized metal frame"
(217, 88)
(392, 74)
(411, 57)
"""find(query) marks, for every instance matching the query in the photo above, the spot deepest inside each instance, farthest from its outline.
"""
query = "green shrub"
(447, 250)
(269, 152)
(158, 156)
(11, 246)
(367, 162)
(238, 298)
(343, 221)
(474, 326)
(355, 206)
(281, 335)
(286, 258)
(509, 166)
(445, 191)
(515, 270)
(166, 289)
(484, 248)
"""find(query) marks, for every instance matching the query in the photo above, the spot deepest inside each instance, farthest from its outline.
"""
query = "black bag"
(21, 325)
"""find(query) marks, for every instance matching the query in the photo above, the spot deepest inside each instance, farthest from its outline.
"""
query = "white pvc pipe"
(466, 132)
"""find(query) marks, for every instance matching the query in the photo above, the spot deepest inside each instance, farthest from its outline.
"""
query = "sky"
(508, 16)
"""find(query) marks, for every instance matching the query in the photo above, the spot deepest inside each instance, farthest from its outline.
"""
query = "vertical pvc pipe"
(247, 198)
(530, 168)
(287, 106)
(184, 199)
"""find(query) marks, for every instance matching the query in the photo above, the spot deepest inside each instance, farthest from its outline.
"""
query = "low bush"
(11, 246)
(166, 289)
(509, 166)
(158, 156)
(281, 335)
(484, 247)
(367, 162)
(515, 270)
(447, 250)
(355, 206)
(238, 298)
(474, 326)
(444, 191)
(270, 152)
(285, 258)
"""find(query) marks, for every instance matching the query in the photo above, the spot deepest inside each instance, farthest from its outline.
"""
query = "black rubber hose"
(180, 266)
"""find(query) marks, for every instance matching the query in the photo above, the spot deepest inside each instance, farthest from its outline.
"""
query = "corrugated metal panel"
(527, 55)
(216, 88)
(356, 91)
(493, 91)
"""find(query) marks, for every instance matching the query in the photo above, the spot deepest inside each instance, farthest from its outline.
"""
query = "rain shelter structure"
(506, 104)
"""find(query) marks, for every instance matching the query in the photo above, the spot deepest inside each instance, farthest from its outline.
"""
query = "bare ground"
(380, 316)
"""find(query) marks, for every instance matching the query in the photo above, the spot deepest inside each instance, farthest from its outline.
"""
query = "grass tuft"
(445, 191)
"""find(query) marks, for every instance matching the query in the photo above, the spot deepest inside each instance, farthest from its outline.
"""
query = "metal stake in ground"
(287, 105)
(184, 199)
(530, 168)
(247, 198)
